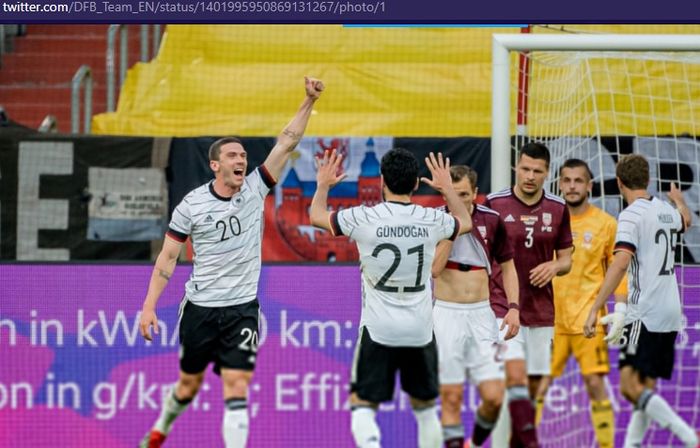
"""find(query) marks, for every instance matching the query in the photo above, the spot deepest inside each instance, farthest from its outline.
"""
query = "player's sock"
(364, 427)
(501, 432)
(539, 409)
(603, 423)
(637, 427)
(429, 429)
(522, 414)
(172, 407)
(482, 429)
(235, 427)
(453, 435)
(659, 411)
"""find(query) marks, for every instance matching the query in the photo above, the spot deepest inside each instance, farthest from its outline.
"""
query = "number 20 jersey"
(397, 243)
(226, 235)
(648, 230)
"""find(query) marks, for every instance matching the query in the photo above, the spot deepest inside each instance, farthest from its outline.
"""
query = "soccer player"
(466, 330)
(538, 227)
(396, 240)
(219, 312)
(647, 324)
(593, 231)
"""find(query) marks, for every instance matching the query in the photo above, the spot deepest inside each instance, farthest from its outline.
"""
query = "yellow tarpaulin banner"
(248, 80)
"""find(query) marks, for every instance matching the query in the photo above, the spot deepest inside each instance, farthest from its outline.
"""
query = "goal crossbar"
(503, 44)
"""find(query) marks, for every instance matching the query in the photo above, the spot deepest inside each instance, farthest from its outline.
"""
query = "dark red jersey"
(535, 231)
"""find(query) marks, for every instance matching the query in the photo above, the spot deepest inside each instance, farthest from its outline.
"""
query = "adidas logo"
(208, 219)
(509, 218)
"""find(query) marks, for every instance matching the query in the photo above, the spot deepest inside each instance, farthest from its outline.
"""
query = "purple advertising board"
(74, 371)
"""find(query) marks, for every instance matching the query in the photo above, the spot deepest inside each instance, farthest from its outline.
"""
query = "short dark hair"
(535, 150)
(459, 172)
(576, 163)
(400, 171)
(215, 148)
(633, 171)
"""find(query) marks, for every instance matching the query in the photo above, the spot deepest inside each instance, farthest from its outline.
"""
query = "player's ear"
(415, 187)
(214, 165)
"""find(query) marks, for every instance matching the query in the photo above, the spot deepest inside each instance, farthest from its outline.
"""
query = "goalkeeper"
(594, 239)
(645, 327)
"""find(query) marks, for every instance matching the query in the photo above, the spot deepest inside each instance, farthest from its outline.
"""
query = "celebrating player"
(396, 240)
(219, 313)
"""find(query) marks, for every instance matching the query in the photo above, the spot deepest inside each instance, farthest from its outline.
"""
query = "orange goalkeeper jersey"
(574, 293)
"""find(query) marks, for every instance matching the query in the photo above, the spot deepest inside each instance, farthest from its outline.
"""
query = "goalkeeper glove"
(616, 319)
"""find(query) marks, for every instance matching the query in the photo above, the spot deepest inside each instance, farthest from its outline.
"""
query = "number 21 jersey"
(397, 243)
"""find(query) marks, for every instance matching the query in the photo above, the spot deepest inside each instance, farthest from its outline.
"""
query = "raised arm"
(442, 182)
(329, 174)
(676, 197)
(163, 270)
(291, 135)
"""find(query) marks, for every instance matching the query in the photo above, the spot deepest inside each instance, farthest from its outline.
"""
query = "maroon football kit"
(535, 231)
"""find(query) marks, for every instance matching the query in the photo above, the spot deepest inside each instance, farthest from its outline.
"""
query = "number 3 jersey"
(536, 231)
(226, 235)
(397, 243)
(648, 230)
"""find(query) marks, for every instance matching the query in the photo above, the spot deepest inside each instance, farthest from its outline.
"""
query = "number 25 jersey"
(397, 243)
(649, 231)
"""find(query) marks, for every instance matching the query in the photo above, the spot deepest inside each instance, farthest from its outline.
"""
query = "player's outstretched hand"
(314, 87)
(439, 168)
(512, 321)
(330, 169)
(148, 319)
(616, 319)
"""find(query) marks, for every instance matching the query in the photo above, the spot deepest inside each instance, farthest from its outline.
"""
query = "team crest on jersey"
(482, 231)
(528, 220)
(587, 239)
(546, 222)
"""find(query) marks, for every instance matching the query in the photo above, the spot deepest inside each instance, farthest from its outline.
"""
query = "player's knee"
(451, 401)
(516, 374)
(595, 386)
(631, 390)
(236, 386)
(188, 386)
(491, 402)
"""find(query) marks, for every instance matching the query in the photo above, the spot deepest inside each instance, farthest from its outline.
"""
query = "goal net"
(597, 105)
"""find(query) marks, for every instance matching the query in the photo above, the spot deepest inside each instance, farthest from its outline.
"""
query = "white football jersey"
(226, 239)
(397, 243)
(649, 230)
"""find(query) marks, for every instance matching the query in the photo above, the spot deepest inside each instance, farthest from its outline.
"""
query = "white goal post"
(503, 44)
